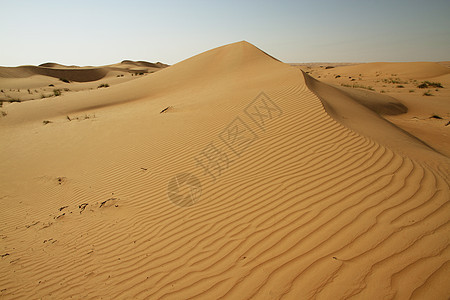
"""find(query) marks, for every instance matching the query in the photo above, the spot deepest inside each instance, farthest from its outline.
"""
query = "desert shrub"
(411, 91)
(435, 84)
(57, 92)
(428, 93)
(65, 80)
(103, 85)
(400, 86)
(427, 84)
(394, 80)
(359, 86)
(45, 122)
(422, 86)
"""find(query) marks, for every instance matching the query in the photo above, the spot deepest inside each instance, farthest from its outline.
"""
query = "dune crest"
(293, 204)
(364, 117)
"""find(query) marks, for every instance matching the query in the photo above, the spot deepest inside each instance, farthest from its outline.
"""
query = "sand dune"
(306, 192)
(144, 64)
(72, 74)
(75, 73)
(25, 83)
(427, 112)
(56, 65)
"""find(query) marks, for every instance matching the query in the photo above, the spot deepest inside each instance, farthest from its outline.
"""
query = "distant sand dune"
(75, 74)
(316, 205)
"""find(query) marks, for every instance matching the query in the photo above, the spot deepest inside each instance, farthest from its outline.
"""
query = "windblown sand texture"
(321, 197)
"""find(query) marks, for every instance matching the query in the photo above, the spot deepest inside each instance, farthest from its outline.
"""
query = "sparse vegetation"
(358, 86)
(103, 85)
(411, 91)
(57, 92)
(3, 113)
(427, 84)
(394, 80)
(428, 93)
(400, 86)
(422, 86)
(80, 118)
(29, 92)
(45, 122)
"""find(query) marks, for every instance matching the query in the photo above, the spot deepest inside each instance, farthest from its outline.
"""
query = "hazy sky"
(103, 32)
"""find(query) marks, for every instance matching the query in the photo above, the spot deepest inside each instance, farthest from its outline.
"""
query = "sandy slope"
(294, 204)
(428, 109)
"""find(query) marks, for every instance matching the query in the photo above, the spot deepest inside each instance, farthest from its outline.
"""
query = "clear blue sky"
(102, 32)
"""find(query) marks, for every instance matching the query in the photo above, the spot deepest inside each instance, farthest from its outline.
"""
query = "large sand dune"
(297, 191)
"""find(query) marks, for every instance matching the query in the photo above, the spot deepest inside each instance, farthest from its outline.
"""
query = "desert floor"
(227, 175)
